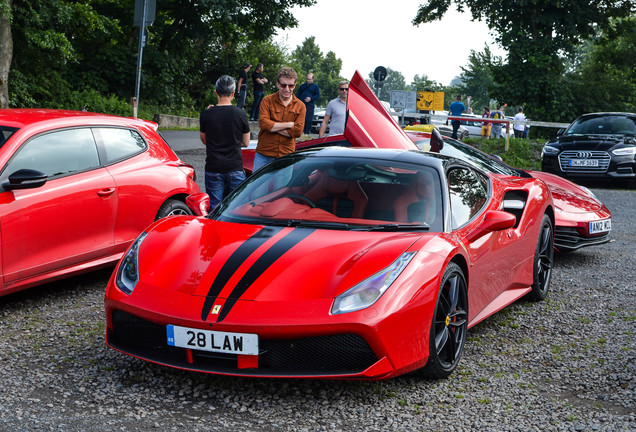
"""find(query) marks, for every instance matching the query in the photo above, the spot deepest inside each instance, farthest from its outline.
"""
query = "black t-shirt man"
(257, 85)
(224, 127)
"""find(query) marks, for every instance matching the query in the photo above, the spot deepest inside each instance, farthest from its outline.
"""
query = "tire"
(173, 207)
(464, 136)
(543, 259)
(449, 326)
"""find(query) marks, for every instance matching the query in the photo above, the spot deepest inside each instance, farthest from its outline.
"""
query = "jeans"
(218, 185)
(256, 106)
(260, 161)
(241, 99)
(309, 116)
(455, 125)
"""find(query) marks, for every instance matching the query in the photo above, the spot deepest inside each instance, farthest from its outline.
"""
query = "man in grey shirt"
(336, 112)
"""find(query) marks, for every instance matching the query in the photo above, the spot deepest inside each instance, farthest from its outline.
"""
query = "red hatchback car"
(77, 188)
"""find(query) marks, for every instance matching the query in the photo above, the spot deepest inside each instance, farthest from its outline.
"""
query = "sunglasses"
(343, 88)
(291, 86)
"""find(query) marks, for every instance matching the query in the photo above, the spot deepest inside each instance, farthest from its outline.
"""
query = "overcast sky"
(370, 33)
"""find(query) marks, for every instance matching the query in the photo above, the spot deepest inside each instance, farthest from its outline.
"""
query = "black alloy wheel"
(449, 326)
(543, 259)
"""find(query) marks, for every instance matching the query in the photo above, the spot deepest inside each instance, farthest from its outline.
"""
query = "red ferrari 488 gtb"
(338, 262)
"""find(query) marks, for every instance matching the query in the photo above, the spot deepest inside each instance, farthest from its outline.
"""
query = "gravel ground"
(565, 364)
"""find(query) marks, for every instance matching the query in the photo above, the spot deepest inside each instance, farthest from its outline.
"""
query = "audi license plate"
(600, 226)
(214, 341)
(583, 162)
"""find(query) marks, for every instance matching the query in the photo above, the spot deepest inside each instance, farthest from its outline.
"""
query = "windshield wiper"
(396, 227)
(316, 224)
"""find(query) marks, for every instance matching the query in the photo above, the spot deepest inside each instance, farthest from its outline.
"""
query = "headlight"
(550, 151)
(625, 151)
(589, 192)
(128, 272)
(369, 290)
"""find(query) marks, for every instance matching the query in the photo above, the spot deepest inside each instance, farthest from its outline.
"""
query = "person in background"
(308, 93)
(456, 109)
(242, 85)
(282, 119)
(519, 128)
(259, 82)
(223, 130)
(336, 112)
(485, 127)
(496, 127)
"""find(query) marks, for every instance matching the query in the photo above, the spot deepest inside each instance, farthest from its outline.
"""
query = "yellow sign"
(430, 101)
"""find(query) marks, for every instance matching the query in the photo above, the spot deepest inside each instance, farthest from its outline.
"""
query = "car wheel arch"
(178, 200)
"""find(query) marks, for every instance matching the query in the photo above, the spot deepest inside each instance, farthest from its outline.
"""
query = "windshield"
(603, 125)
(480, 159)
(5, 133)
(338, 193)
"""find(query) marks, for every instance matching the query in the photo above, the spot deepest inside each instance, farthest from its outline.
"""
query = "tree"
(538, 36)
(423, 83)
(82, 46)
(308, 58)
(476, 77)
(6, 51)
(606, 78)
(394, 81)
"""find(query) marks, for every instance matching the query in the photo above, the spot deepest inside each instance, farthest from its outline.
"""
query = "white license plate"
(600, 226)
(584, 162)
(214, 341)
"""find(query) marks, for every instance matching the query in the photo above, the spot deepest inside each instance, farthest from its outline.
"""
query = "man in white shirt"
(336, 112)
(519, 128)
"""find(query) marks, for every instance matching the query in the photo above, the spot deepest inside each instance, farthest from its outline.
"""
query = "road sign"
(151, 7)
(430, 101)
(403, 99)
(379, 73)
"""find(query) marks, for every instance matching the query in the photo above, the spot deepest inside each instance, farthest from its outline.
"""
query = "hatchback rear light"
(189, 171)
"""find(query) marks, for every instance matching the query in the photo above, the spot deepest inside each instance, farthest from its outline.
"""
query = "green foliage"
(522, 153)
(394, 81)
(423, 83)
(606, 79)
(538, 35)
(477, 79)
(66, 46)
(307, 58)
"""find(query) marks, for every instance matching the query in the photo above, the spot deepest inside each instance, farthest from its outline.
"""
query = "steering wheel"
(301, 198)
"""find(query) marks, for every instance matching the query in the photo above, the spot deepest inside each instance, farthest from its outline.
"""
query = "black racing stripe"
(263, 263)
(232, 264)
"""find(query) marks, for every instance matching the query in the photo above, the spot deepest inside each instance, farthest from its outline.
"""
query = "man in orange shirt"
(281, 119)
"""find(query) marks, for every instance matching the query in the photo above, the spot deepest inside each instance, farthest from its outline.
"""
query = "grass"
(522, 153)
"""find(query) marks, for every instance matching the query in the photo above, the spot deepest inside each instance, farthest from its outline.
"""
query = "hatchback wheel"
(173, 207)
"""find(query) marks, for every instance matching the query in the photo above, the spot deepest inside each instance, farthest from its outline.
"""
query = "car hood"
(207, 258)
(368, 123)
(591, 142)
(567, 195)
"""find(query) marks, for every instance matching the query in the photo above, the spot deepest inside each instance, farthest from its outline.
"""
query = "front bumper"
(568, 239)
(331, 356)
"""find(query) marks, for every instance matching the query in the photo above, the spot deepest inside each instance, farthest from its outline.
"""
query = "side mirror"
(560, 132)
(437, 142)
(494, 220)
(199, 203)
(25, 179)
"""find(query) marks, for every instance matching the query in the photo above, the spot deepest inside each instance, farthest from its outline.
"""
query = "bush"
(91, 100)
(522, 153)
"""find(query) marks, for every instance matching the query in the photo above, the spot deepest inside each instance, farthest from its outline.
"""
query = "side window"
(57, 153)
(119, 143)
(467, 195)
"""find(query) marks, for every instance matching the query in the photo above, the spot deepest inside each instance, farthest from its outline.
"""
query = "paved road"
(180, 140)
